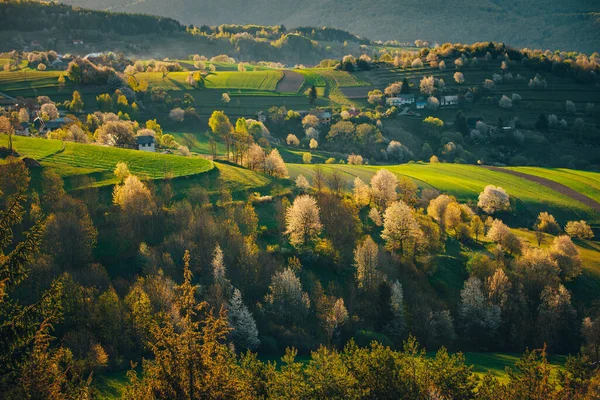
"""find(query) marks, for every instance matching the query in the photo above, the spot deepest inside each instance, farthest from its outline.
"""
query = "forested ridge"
(534, 23)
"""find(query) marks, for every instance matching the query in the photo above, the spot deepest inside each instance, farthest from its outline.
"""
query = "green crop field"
(255, 80)
(467, 181)
(341, 78)
(28, 79)
(78, 159)
(584, 182)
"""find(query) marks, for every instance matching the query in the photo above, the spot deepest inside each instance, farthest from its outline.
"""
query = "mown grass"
(91, 159)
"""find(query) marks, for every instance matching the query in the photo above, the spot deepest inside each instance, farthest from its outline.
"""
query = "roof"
(145, 139)
(324, 114)
(406, 96)
(57, 123)
(453, 97)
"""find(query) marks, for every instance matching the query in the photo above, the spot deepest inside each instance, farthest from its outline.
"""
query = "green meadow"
(70, 159)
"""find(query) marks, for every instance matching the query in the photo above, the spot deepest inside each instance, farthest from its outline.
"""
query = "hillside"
(533, 23)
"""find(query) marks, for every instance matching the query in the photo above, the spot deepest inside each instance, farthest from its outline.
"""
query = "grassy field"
(497, 363)
(81, 159)
(466, 182)
(255, 80)
(584, 182)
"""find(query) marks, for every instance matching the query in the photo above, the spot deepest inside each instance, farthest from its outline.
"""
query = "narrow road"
(559, 187)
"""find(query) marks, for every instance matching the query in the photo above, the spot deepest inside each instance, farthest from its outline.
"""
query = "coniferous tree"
(244, 333)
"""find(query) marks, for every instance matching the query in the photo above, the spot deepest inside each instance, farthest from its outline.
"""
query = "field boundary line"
(558, 187)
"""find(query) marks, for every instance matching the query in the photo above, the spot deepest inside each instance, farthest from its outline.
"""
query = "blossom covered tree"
(493, 199)
(303, 224)
(400, 228)
(244, 333)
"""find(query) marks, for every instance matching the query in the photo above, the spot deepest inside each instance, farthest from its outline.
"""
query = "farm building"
(447, 101)
(401, 100)
(146, 143)
(324, 117)
(94, 57)
(23, 129)
(57, 123)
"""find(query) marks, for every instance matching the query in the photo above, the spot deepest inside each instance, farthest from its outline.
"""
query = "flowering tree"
(302, 221)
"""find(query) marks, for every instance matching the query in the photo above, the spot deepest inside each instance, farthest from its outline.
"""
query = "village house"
(77, 42)
(44, 127)
(447, 101)
(146, 143)
(421, 103)
(324, 117)
(261, 117)
(401, 100)
(94, 58)
(23, 129)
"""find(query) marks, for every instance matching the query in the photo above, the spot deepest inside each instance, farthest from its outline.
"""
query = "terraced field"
(78, 158)
(467, 181)
(26, 79)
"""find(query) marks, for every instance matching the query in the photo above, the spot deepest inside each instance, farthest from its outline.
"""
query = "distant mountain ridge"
(555, 24)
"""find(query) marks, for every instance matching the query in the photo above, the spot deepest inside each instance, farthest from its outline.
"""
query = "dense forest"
(533, 23)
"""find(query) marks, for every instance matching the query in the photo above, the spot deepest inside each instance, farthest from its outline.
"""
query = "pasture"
(75, 159)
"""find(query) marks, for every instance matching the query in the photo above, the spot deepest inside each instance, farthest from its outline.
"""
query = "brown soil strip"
(559, 187)
(357, 92)
(290, 83)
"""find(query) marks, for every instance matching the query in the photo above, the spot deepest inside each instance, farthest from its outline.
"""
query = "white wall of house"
(147, 147)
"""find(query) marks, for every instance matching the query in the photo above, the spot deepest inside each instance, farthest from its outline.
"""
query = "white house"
(146, 143)
(401, 100)
(446, 101)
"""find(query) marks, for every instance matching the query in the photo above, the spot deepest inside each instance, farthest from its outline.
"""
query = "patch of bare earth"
(357, 92)
(290, 82)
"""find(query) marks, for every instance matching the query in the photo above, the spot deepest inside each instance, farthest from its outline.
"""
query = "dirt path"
(559, 187)
(290, 83)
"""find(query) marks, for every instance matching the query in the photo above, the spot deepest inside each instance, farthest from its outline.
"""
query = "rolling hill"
(532, 23)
